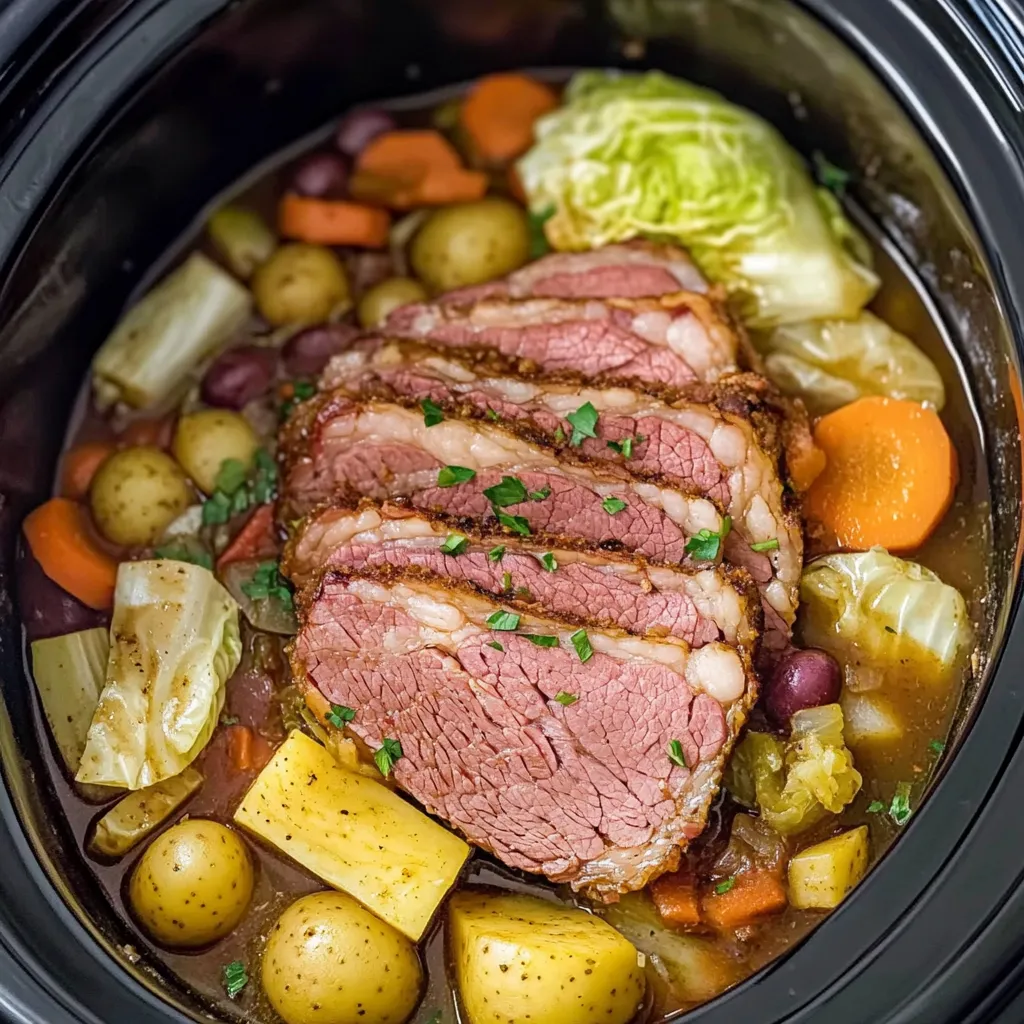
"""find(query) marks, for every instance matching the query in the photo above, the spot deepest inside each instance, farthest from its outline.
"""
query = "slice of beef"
(630, 270)
(674, 340)
(340, 449)
(556, 761)
(700, 607)
(722, 442)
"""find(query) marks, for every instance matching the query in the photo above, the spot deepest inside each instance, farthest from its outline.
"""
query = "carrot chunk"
(408, 154)
(255, 540)
(57, 533)
(240, 747)
(79, 466)
(499, 114)
(333, 222)
(675, 896)
(889, 477)
(750, 896)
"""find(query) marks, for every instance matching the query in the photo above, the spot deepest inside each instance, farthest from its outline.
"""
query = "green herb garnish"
(583, 421)
(766, 545)
(506, 622)
(496, 554)
(548, 561)
(267, 582)
(613, 506)
(539, 245)
(936, 746)
(495, 645)
(339, 715)
(581, 642)
(566, 699)
(180, 553)
(238, 489)
(876, 807)
(301, 390)
(492, 415)
(236, 977)
(506, 581)
(449, 476)
(539, 640)
(625, 446)
(229, 720)
(723, 887)
(432, 413)
(455, 544)
(510, 491)
(544, 492)
(899, 809)
(705, 545)
(834, 178)
(559, 435)
(515, 523)
(675, 753)
(387, 754)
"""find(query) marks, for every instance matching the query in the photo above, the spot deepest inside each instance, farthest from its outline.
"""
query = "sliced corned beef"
(560, 753)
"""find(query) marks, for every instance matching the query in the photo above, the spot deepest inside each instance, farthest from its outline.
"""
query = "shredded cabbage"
(174, 643)
(797, 782)
(829, 363)
(651, 155)
(876, 612)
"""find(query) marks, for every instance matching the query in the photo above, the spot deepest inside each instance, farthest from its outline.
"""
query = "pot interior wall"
(270, 71)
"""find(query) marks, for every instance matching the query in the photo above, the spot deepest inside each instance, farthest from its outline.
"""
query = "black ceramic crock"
(120, 119)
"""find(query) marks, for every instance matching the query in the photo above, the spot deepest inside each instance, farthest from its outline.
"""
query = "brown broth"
(958, 552)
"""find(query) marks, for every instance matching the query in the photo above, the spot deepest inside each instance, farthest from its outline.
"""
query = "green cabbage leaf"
(174, 643)
(654, 156)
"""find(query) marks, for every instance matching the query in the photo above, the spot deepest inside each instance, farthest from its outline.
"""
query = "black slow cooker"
(120, 119)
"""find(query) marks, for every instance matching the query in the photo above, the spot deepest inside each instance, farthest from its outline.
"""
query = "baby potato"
(521, 958)
(470, 243)
(328, 960)
(204, 440)
(382, 299)
(299, 283)
(136, 494)
(192, 885)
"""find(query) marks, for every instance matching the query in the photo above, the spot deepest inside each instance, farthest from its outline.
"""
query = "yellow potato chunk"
(822, 875)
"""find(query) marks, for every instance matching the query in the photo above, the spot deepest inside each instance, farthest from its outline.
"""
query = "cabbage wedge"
(654, 156)
(175, 642)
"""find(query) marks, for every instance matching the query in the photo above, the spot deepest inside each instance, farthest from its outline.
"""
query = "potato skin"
(299, 283)
(470, 243)
(204, 439)
(345, 979)
(382, 299)
(136, 494)
(192, 885)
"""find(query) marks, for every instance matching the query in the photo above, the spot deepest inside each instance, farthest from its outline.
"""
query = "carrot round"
(79, 466)
(889, 477)
(498, 115)
(333, 222)
(435, 186)
(57, 533)
(408, 154)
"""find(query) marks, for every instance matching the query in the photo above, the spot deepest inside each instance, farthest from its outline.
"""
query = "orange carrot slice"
(333, 222)
(675, 896)
(752, 895)
(499, 113)
(889, 477)
(255, 540)
(408, 154)
(79, 466)
(58, 535)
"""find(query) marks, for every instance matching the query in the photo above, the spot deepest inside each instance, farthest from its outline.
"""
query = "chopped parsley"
(675, 753)
(723, 887)
(523, 594)
(506, 581)
(540, 495)
(231, 475)
(766, 545)
(236, 977)
(496, 554)
(299, 390)
(625, 446)
(432, 413)
(613, 506)
(492, 415)
(516, 523)
(834, 178)
(267, 582)
(559, 435)
(876, 807)
(455, 544)
(548, 561)
(581, 642)
(229, 720)
(387, 754)
(339, 715)
(936, 746)
(539, 245)
(495, 645)
(705, 545)
(449, 476)
(435, 1017)
(237, 489)
(539, 640)
(510, 491)
(566, 699)
(583, 421)
(899, 809)
(506, 622)
(180, 553)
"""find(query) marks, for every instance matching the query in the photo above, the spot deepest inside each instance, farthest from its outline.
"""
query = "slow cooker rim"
(850, 23)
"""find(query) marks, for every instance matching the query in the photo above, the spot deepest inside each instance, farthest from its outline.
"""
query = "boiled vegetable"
(830, 363)
(499, 113)
(676, 898)
(383, 851)
(205, 440)
(517, 956)
(68, 671)
(889, 477)
(78, 466)
(175, 643)
(354, 968)
(796, 783)
(192, 885)
(869, 719)
(877, 613)
(300, 284)
(332, 222)
(631, 155)
(743, 900)
(384, 298)
(271, 613)
(242, 238)
(238, 376)
(162, 338)
(822, 875)
(136, 494)
(132, 818)
(470, 244)
(57, 533)
(798, 680)
(320, 175)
